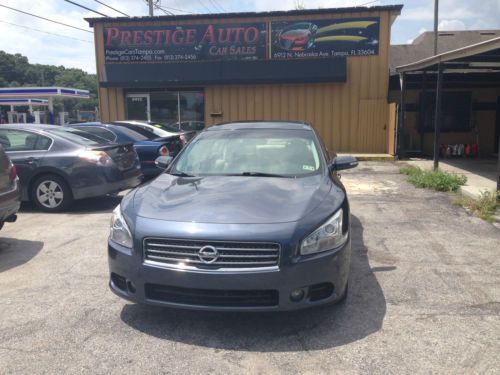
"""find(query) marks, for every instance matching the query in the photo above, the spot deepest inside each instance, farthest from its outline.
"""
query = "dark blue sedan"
(57, 165)
(249, 216)
(147, 145)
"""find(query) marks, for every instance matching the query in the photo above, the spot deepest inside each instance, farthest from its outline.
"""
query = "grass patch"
(437, 180)
(484, 207)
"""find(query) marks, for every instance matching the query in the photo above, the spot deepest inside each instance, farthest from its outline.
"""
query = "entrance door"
(138, 107)
(497, 127)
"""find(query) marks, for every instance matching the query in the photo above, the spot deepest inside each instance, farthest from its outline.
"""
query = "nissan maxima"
(249, 216)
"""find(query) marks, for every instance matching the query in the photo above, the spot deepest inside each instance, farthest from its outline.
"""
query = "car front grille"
(211, 255)
(212, 297)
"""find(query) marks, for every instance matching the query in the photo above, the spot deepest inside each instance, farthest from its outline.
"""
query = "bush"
(484, 207)
(437, 180)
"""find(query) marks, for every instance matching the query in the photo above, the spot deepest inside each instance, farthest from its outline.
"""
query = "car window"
(20, 140)
(140, 130)
(133, 135)
(274, 151)
(78, 137)
(100, 132)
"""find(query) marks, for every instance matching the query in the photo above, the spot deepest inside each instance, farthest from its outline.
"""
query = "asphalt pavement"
(424, 297)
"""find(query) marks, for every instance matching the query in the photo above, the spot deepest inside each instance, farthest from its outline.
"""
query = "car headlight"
(119, 231)
(328, 236)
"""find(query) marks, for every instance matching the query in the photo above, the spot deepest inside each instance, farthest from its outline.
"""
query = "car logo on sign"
(208, 254)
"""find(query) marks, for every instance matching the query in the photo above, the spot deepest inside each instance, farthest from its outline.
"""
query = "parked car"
(249, 216)
(156, 130)
(57, 165)
(148, 147)
(187, 126)
(10, 194)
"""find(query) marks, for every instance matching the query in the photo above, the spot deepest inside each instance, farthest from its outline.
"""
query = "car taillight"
(13, 172)
(163, 151)
(96, 157)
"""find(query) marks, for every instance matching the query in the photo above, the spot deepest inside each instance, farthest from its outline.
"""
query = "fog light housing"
(297, 295)
(131, 286)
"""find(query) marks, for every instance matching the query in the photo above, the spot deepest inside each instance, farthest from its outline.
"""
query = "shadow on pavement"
(15, 252)
(361, 315)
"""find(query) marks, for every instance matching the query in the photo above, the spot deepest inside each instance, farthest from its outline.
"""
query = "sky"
(75, 48)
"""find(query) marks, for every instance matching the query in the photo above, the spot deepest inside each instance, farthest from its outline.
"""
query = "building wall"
(483, 120)
(351, 116)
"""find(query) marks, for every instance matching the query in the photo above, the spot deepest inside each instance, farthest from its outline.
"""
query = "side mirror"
(163, 162)
(343, 162)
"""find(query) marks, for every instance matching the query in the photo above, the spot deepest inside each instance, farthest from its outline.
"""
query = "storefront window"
(166, 106)
(137, 106)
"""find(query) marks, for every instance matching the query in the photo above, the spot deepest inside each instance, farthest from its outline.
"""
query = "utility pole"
(150, 2)
(436, 17)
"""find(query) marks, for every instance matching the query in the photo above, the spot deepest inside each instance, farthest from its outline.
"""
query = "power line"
(219, 5)
(216, 6)
(167, 12)
(370, 2)
(110, 7)
(84, 7)
(204, 6)
(46, 32)
(178, 10)
(46, 19)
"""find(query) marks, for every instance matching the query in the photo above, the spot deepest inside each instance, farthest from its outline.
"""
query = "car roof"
(285, 125)
(30, 126)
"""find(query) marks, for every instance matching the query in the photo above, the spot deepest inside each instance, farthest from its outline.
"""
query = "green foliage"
(484, 207)
(16, 71)
(437, 180)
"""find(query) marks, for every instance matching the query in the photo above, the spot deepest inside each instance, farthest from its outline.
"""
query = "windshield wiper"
(260, 174)
(181, 174)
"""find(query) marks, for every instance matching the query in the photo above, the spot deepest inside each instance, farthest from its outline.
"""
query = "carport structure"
(43, 93)
(473, 66)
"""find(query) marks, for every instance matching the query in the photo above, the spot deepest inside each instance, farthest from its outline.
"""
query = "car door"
(26, 149)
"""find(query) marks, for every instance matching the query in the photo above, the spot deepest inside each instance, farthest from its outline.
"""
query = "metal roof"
(18, 102)
(484, 52)
(301, 12)
(255, 124)
(43, 92)
(423, 46)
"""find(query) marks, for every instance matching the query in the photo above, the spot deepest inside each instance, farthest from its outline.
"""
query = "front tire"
(51, 193)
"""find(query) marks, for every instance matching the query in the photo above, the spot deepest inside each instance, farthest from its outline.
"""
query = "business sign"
(325, 38)
(139, 44)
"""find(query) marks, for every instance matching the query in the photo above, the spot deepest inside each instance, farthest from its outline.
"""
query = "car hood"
(230, 199)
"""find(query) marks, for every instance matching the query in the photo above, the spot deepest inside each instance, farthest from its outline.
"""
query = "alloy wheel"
(50, 194)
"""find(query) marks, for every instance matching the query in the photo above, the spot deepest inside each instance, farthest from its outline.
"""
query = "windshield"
(171, 128)
(134, 135)
(79, 136)
(138, 129)
(279, 152)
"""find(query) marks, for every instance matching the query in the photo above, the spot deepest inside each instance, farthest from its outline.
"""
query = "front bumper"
(132, 280)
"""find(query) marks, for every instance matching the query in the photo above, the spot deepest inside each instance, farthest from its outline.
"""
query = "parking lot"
(424, 297)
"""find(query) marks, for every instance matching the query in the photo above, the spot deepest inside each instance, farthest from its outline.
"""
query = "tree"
(15, 71)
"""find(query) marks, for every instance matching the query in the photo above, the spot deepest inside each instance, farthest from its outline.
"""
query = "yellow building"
(329, 67)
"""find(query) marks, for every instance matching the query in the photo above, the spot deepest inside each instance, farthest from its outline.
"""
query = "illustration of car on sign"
(298, 37)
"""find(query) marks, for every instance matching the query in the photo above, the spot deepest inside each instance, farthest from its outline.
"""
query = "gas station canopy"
(21, 102)
(42, 92)
(19, 96)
